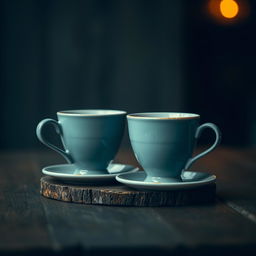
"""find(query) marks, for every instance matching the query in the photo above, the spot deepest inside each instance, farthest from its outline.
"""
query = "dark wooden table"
(33, 225)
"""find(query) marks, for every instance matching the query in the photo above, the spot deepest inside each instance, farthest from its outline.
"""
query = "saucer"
(188, 180)
(68, 173)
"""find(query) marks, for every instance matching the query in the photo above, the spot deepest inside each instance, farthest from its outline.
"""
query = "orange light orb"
(229, 8)
(228, 12)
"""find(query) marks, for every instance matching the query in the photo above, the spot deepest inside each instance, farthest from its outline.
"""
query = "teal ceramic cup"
(90, 138)
(163, 142)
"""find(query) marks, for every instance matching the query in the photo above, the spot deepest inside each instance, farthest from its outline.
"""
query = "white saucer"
(68, 173)
(189, 180)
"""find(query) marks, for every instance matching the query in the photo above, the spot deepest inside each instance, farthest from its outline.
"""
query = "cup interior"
(91, 112)
(163, 115)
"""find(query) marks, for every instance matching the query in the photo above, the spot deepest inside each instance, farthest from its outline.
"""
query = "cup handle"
(57, 126)
(197, 135)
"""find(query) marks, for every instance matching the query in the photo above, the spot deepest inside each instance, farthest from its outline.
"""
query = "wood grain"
(120, 195)
(22, 217)
(34, 225)
(236, 178)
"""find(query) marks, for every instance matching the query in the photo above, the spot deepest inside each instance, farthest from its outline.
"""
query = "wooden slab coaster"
(120, 195)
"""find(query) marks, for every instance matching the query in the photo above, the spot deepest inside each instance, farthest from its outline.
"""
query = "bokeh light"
(229, 8)
(227, 12)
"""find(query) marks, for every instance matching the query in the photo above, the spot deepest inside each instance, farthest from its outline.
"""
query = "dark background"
(129, 55)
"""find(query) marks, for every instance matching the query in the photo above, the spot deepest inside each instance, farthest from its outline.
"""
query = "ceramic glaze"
(91, 138)
(163, 143)
(70, 174)
(188, 180)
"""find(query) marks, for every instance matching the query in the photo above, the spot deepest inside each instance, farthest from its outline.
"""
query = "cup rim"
(82, 112)
(165, 116)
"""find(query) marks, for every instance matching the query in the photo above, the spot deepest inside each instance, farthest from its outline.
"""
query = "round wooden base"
(120, 195)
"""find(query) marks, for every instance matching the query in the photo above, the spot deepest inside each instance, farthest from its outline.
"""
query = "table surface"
(31, 224)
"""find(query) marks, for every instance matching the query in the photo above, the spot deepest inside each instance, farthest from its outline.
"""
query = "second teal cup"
(163, 142)
(91, 138)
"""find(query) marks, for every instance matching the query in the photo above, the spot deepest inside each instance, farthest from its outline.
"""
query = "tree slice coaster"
(120, 195)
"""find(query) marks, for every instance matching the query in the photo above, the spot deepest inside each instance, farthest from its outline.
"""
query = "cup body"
(92, 137)
(163, 142)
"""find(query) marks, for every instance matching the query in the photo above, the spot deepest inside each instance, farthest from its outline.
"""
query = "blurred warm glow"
(227, 12)
(229, 8)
